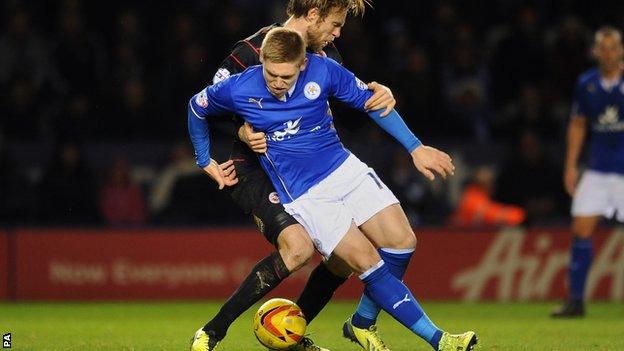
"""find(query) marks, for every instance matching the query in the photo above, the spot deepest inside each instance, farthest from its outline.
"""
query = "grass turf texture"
(168, 326)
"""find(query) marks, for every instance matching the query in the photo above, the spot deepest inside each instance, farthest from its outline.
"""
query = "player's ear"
(313, 15)
(594, 51)
(303, 64)
(260, 56)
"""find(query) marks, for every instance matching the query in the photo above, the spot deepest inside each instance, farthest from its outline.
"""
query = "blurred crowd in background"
(94, 97)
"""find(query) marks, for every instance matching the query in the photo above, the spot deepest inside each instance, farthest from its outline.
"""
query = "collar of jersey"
(288, 93)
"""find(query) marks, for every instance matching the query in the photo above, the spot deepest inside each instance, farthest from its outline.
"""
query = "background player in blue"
(598, 104)
(340, 201)
(319, 22)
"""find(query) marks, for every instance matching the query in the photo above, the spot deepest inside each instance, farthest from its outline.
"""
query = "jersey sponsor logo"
(257, 101)
(361, 85)
(312, 90)
(609, 121)
(222, 74)
(292, 128)
(274, 198)
(202, 98)
(315, 129)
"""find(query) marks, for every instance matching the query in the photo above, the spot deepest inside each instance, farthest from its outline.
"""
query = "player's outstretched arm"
(255, 140)
(426, 159)
(382, 99)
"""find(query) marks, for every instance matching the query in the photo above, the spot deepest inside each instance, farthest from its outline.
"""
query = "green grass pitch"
(168, 326)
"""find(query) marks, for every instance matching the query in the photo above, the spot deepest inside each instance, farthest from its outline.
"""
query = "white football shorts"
(599, 194)
(351, 193)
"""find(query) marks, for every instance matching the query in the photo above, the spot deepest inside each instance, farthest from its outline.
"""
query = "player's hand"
(214, 171)
(255, 141)
(382, 98)
(428, 159)
(229, 172)
(570, 178)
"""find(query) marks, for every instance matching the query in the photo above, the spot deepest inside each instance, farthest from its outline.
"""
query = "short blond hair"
(608, 31)
(300, 8)
(283, 45)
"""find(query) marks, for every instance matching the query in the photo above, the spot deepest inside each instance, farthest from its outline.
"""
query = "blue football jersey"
(602, 106)
(303, 146)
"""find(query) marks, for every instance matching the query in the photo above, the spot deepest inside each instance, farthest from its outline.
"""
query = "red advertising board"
(508, 265)
(4, 265)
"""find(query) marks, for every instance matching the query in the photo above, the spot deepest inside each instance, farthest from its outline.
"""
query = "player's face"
(326, 30)
(608, 51)
(280, 77)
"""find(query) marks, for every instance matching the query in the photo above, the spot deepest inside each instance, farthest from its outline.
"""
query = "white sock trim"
(371, 270)
(397, 251)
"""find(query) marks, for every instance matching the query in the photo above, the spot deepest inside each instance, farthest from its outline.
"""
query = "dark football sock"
(264, 277)
(319, 289)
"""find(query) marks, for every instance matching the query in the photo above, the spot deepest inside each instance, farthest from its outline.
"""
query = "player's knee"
(584, 227)
(297, 256)
(295, 246)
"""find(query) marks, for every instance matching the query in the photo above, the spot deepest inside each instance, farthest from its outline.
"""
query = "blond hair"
(607, 31)
(282, 45)
(300, 8)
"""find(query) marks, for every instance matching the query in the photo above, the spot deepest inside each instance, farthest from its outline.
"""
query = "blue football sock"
(581, 254)
(367, 311)
(396, 299)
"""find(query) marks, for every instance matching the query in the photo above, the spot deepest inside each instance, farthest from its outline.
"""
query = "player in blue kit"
(598, 102)
(319, 22)
(339, 200)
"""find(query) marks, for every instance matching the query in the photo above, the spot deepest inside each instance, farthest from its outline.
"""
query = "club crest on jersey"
(274, 198)
(222, 74)
(361, 85)
(312, 90)
(202, 98)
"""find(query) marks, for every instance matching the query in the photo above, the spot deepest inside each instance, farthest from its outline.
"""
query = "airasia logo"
(530, 276)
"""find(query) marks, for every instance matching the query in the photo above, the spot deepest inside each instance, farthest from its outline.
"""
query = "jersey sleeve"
(213, 100)
(346, 87)
(243, 55)
(579, 104)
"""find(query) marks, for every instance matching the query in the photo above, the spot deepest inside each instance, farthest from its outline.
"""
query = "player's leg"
(255, 193)
(295, 249)
(581, 254)
(390, 232)
(321, 285)
(590, 202)
(392, 295)
(380, 217)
